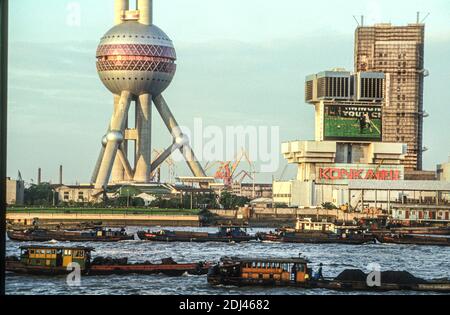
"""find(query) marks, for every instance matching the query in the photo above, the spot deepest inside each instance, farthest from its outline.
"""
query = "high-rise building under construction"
(398, 51)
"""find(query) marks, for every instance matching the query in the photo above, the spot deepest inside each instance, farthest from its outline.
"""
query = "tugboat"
(227, 234)
(43, 235)
(44, 260)
(307, 231)
(295, 272)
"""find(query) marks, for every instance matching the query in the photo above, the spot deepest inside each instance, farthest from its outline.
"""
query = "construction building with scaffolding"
(398, 52)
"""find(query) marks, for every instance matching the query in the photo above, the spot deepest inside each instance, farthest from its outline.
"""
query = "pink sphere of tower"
(137, 58)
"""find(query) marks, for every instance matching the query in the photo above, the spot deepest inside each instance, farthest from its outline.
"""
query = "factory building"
(398, 52)
(443, 171)
(252, 191)
(15, 190)
(75, 193)
(408, 201)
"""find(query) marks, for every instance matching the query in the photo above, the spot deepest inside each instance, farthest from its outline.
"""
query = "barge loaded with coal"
(295, 272)
(45, 260)
(226, 234)
(44, 235)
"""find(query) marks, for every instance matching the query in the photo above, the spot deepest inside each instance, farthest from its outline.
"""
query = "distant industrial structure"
(136, 62)
(15, 190)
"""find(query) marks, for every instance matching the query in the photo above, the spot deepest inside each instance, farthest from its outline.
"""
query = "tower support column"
(145, 8)
(117, 174)
(179, 137)
(114, 139)
(119, 6)
(144, 142)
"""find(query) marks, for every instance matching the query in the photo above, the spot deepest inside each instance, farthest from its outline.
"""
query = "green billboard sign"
(357, 123)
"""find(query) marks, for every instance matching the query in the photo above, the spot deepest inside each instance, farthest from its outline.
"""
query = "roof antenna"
(357, 22)
(362, 20)
(423, 20)
(418, 17)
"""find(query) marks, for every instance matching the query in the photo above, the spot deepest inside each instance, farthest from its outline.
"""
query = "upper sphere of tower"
(137, 58)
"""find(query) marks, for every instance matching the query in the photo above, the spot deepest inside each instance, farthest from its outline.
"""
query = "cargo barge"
(43, 235)
(52, 261)
(413, 239)
(315, 238)
(226, 234)
(81, 226)
(418, 231)
(307, 231)
(295, 272)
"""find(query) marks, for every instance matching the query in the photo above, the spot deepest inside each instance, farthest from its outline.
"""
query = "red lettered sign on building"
(335, 173)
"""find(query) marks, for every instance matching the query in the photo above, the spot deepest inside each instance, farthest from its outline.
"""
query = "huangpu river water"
(422, 261)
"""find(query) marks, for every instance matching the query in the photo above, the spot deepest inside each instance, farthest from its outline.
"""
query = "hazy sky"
(239, 63)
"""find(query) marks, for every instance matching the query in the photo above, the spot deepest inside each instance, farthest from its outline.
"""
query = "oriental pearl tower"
(136, 62)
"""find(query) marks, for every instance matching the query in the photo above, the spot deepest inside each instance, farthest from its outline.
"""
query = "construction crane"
(228, 169)
(224, 173)
(156, 174)
(239, 178)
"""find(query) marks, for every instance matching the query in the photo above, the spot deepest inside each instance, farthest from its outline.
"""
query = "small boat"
(295, 272)
(42, 235)
(413, 239)
(307, 231)
(44, 260)
(227, 234)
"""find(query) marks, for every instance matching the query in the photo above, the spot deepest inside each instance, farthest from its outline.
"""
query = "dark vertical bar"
(3, 121)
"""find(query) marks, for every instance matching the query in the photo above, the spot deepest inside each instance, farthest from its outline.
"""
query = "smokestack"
(39, 179)
(119, 6)
(145, 8)
(60, 174)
